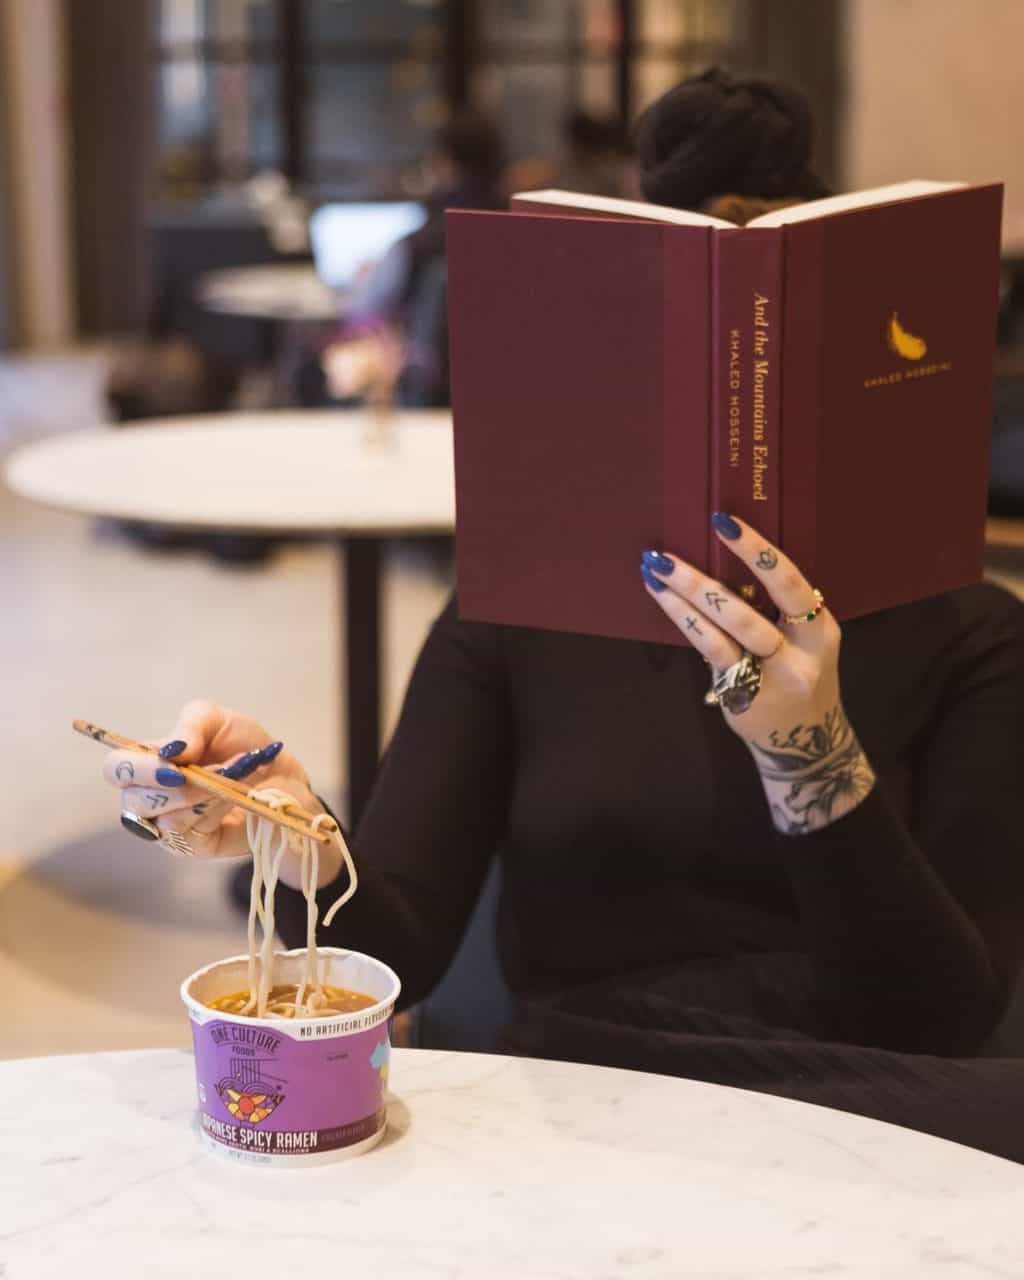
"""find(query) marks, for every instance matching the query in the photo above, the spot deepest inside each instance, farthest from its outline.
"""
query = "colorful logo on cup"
(246, 1095)
(379, 1060)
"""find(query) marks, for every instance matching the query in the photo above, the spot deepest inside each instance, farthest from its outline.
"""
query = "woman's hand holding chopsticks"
(151, 787)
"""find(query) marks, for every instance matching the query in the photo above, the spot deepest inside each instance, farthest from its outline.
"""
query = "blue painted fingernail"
(726, 525)
(270, 753)
(171, 749)
(170, 778)
(242, 767)
(651, 580)
(659, 563)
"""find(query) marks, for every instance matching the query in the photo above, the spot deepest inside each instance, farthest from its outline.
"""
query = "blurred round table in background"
(289, 297)
(492, 1166)
(349, 475)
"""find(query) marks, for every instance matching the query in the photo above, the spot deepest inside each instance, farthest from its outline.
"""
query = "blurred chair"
(471, 1004)
(1006, 464)
(424, 381)
(1007, 1041)
(184, 249)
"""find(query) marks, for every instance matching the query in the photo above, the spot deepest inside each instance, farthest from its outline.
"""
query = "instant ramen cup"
(282, 1091)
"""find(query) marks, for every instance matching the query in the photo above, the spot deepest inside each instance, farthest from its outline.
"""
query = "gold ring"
(782, 641)
(810, 615)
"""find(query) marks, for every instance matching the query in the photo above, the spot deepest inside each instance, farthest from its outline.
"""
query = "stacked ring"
(810, 615)
(177, 843)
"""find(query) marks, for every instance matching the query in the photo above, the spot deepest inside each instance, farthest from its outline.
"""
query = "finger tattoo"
(157, 799)
(713, 598)
(691, 625)
(124, 770)
(767, 559)
(200, 808)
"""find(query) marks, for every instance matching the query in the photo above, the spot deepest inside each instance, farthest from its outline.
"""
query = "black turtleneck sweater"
(640, 860)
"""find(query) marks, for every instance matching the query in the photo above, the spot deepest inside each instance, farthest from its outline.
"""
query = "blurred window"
(376, 90)
(677, 38)
(343, 95)
(218, 91)
(537, 61)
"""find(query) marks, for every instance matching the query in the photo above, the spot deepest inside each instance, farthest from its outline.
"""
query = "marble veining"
(496, 1167)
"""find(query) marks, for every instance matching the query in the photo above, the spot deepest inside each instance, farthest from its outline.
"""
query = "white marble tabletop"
(271, 291)
(300, 470)
(492, 1167)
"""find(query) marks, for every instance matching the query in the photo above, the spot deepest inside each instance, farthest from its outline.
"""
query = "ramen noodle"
(269, 844)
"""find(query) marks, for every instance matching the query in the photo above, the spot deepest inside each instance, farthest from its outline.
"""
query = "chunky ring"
(810, 615)
(141, 827)
(737, 686)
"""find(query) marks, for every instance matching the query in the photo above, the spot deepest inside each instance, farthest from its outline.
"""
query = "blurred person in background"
(394, 342)
(593, 159)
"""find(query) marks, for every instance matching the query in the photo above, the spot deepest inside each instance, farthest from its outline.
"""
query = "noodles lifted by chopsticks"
(269, 844)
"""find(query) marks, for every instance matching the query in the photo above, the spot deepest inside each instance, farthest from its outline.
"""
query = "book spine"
(803, 367)
(746, 398)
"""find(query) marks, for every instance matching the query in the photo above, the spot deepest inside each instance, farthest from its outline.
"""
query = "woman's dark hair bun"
(713, 135)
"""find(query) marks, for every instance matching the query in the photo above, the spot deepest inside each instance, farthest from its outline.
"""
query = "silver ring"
(177, 843)
(141, 827)
(737, 686)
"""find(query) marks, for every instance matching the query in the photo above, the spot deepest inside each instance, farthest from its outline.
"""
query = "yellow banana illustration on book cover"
(905, 344)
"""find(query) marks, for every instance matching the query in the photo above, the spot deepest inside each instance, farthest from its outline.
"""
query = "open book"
(620, 370)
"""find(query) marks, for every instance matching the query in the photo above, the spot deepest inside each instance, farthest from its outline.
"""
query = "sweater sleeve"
(916, 935)
(435, 817)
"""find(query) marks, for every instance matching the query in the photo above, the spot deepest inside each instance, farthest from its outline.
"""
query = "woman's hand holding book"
(811, 764)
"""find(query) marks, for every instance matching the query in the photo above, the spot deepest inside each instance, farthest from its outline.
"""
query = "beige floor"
(97, 929)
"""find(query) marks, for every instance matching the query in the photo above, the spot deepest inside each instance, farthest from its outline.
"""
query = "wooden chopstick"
(293, 816)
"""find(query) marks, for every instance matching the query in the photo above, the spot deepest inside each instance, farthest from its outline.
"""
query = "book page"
(811, 209)
(624, 208)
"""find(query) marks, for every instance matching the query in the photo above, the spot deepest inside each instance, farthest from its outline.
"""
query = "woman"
(815, 889)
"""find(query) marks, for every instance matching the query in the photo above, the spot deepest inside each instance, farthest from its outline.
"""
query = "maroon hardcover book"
(616, 379)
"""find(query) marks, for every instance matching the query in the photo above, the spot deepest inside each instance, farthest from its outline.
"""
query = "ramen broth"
(282, 999)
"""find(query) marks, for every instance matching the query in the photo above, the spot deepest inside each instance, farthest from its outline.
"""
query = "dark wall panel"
(111, 115)
(801, 42)
(8, 324)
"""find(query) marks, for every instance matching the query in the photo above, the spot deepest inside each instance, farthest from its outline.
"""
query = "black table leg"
(361, 563)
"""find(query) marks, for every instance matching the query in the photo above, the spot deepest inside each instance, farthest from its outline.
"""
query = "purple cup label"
(288, 1093)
